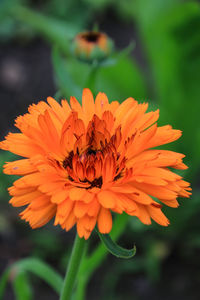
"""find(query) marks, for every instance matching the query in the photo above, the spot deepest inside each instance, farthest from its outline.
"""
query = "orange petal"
(144, 215)
(93, 208)
(88, 197)
(19, 167)
(24, 199)
(123, 109)
(69, 222)
(76, 194)
(59, 196)
(84, 226)
(104, 221)
(164, 135)
(171, 203)
(80, 209)
(40, 217)
(126, 203)
(57, 108)
(157, 215)
(75, 105)
(63, 211)
(21, 145)
(13, 191)
(88, 105)
(107, 199)
(66, 108)
(100, 103)
(157, 191)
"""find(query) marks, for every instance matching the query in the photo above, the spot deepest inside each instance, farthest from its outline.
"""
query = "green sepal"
(115, 249)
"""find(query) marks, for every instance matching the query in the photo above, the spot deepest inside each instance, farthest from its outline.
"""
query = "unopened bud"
(92, 45)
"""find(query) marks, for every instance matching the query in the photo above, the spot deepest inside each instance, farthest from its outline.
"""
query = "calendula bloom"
(84, 162)
(92, 45)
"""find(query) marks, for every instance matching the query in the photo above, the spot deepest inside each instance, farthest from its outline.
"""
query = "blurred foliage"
(172, 43)
(169, 33)
(18, 272)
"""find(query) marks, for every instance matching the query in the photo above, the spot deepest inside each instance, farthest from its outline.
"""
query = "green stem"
(73, 267)
(91, 80)
(81, 288)
(90, 264)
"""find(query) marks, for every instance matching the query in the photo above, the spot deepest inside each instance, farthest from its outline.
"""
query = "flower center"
(68, 161)
(100, 163)
(85, 168)
(91, 37)
(92, 168)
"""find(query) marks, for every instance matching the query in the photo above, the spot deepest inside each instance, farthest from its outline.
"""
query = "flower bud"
(92, 45)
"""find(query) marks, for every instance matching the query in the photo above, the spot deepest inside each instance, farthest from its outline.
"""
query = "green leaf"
(64, 79)
(126, 51)
(98, 4)
(56, 31)
(42, 270)
(3, 282)
(113, 59)
(35, 266)
(170, 34)
(115, 249)
(22, 287)
(122, 80)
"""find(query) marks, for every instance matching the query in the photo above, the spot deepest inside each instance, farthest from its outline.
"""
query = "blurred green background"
(162, 68)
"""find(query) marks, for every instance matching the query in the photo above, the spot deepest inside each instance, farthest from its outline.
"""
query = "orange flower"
(84, 162)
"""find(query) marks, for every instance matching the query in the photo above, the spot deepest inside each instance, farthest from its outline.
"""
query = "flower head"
(92, 45)
(84, 162)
